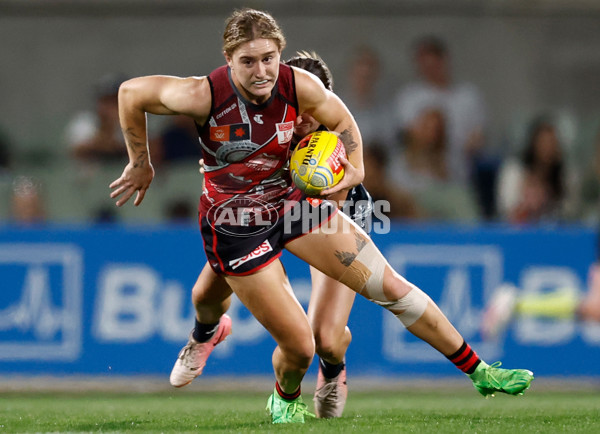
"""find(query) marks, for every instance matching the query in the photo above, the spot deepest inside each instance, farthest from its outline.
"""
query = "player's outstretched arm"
(161, 95)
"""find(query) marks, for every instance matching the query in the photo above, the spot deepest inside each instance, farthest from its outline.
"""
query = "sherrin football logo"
(315, 163)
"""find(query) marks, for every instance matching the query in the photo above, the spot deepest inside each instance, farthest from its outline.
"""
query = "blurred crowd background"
(470, 110)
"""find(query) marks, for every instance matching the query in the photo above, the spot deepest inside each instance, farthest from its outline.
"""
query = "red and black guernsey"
(246, 147)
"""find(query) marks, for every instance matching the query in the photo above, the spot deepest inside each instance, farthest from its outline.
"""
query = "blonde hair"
(248, 24)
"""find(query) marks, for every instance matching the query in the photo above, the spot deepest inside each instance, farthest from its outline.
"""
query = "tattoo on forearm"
(140, 160)
(360, 241)
(346, 258)
(137, 146)
(347, 139)
(132, 139)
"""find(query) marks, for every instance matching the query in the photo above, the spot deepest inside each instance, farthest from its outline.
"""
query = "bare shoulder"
(188, 88)
(189, 95)
(161, 82)
(195, 86)
(309, 89)
(305, 81)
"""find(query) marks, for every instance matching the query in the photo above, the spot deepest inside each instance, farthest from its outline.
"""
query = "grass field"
(419, 411)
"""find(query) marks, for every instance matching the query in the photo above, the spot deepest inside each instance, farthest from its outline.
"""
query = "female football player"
(245, 113)
(329, 307)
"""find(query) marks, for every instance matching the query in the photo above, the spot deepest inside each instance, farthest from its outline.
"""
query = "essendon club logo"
(230, 133)
(285, 132)
(261, 250)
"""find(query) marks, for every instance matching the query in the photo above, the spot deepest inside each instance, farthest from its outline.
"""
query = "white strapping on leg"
(370, 264)
(371, 258)
(412, 306)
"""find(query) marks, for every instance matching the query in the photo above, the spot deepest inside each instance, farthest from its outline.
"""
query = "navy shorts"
(359, 207)
(244, 249)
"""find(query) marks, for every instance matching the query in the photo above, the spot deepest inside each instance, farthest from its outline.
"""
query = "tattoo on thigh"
(360, 241)
(346, 258)
(347, 139)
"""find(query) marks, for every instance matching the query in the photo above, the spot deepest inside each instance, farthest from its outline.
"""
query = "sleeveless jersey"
(246, 147)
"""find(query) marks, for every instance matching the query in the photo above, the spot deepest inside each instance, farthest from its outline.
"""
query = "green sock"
(561, 303)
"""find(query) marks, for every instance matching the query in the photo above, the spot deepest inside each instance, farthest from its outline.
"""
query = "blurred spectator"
(177, 141)
(27, 205)
(533, 189)
(535, 204)
(368, 99)
(377, 181)
(422, 169)
(461, 104)
(423, 157)
(508, 303)
(96, 136)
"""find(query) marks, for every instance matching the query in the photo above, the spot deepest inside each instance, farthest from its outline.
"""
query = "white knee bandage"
(409, 308)
(366, 273)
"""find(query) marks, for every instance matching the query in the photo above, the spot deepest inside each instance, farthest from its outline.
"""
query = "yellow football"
(315, 163)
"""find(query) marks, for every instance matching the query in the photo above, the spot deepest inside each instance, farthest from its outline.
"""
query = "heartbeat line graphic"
(43, 321)
(456, 301)
(34, 311)
(461, 269)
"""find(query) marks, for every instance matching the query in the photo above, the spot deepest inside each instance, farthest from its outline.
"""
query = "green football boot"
(488, 379)
(284, 411)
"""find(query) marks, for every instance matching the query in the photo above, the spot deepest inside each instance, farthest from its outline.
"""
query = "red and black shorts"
(240, 249)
